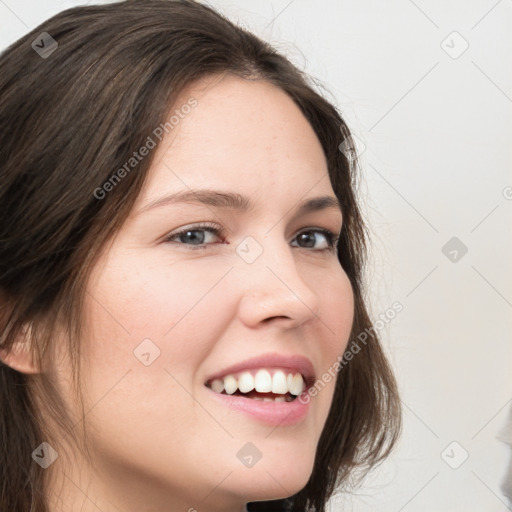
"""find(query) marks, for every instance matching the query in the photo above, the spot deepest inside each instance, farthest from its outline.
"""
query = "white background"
(435, 135)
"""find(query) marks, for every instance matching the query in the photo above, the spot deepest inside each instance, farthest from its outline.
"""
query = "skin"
(159, 441)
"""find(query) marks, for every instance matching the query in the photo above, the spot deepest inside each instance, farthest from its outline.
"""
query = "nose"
(273, 288)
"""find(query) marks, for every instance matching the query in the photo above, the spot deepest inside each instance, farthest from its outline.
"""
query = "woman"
(181, 273)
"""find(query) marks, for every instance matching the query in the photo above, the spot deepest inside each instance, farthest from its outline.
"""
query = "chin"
(275, 480)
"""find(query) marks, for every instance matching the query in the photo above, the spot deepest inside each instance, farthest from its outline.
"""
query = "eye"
(194, 235)
(327, 239)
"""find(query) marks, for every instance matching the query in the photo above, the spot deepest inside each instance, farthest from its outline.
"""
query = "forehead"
(244, 135)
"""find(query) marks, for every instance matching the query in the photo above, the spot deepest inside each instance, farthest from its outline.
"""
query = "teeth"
(218, 386)
(246, 382)
(230, 384)
(263, 381)
(296, 387)
(280, 383)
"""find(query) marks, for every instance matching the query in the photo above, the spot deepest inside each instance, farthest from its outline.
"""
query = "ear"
(20, 357)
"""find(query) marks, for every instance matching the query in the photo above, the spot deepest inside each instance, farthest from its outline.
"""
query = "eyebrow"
(235, 201)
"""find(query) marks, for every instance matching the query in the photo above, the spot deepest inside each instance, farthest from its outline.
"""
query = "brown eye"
(308, 239)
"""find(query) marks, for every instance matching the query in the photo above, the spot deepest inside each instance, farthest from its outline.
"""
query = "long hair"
(75, 103)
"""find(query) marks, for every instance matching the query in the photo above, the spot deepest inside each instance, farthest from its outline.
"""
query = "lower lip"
(281, 414)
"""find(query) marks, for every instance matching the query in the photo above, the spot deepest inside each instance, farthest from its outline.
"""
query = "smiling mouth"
(267, 385)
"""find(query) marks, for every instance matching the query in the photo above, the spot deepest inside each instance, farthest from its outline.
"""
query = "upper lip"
(296, 363)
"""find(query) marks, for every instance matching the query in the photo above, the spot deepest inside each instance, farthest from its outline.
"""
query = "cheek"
(150, 302)
(337, 314)
(335, 322)
(148, 333)
(161, 315)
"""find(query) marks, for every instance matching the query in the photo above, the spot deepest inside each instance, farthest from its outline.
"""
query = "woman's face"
(166, 313)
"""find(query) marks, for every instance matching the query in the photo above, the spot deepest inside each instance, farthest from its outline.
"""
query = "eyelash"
(332, 239)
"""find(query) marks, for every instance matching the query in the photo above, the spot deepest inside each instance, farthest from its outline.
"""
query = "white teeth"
(246, 382)
(296, 387)
(279, 385)
(230, 384)
(263, 381)
(218, 386)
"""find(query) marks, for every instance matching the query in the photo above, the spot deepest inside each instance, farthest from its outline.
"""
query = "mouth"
(261, 384)
(265, 388)
(268, 377)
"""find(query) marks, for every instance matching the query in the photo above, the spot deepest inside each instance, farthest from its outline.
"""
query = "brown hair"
(73, 117)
